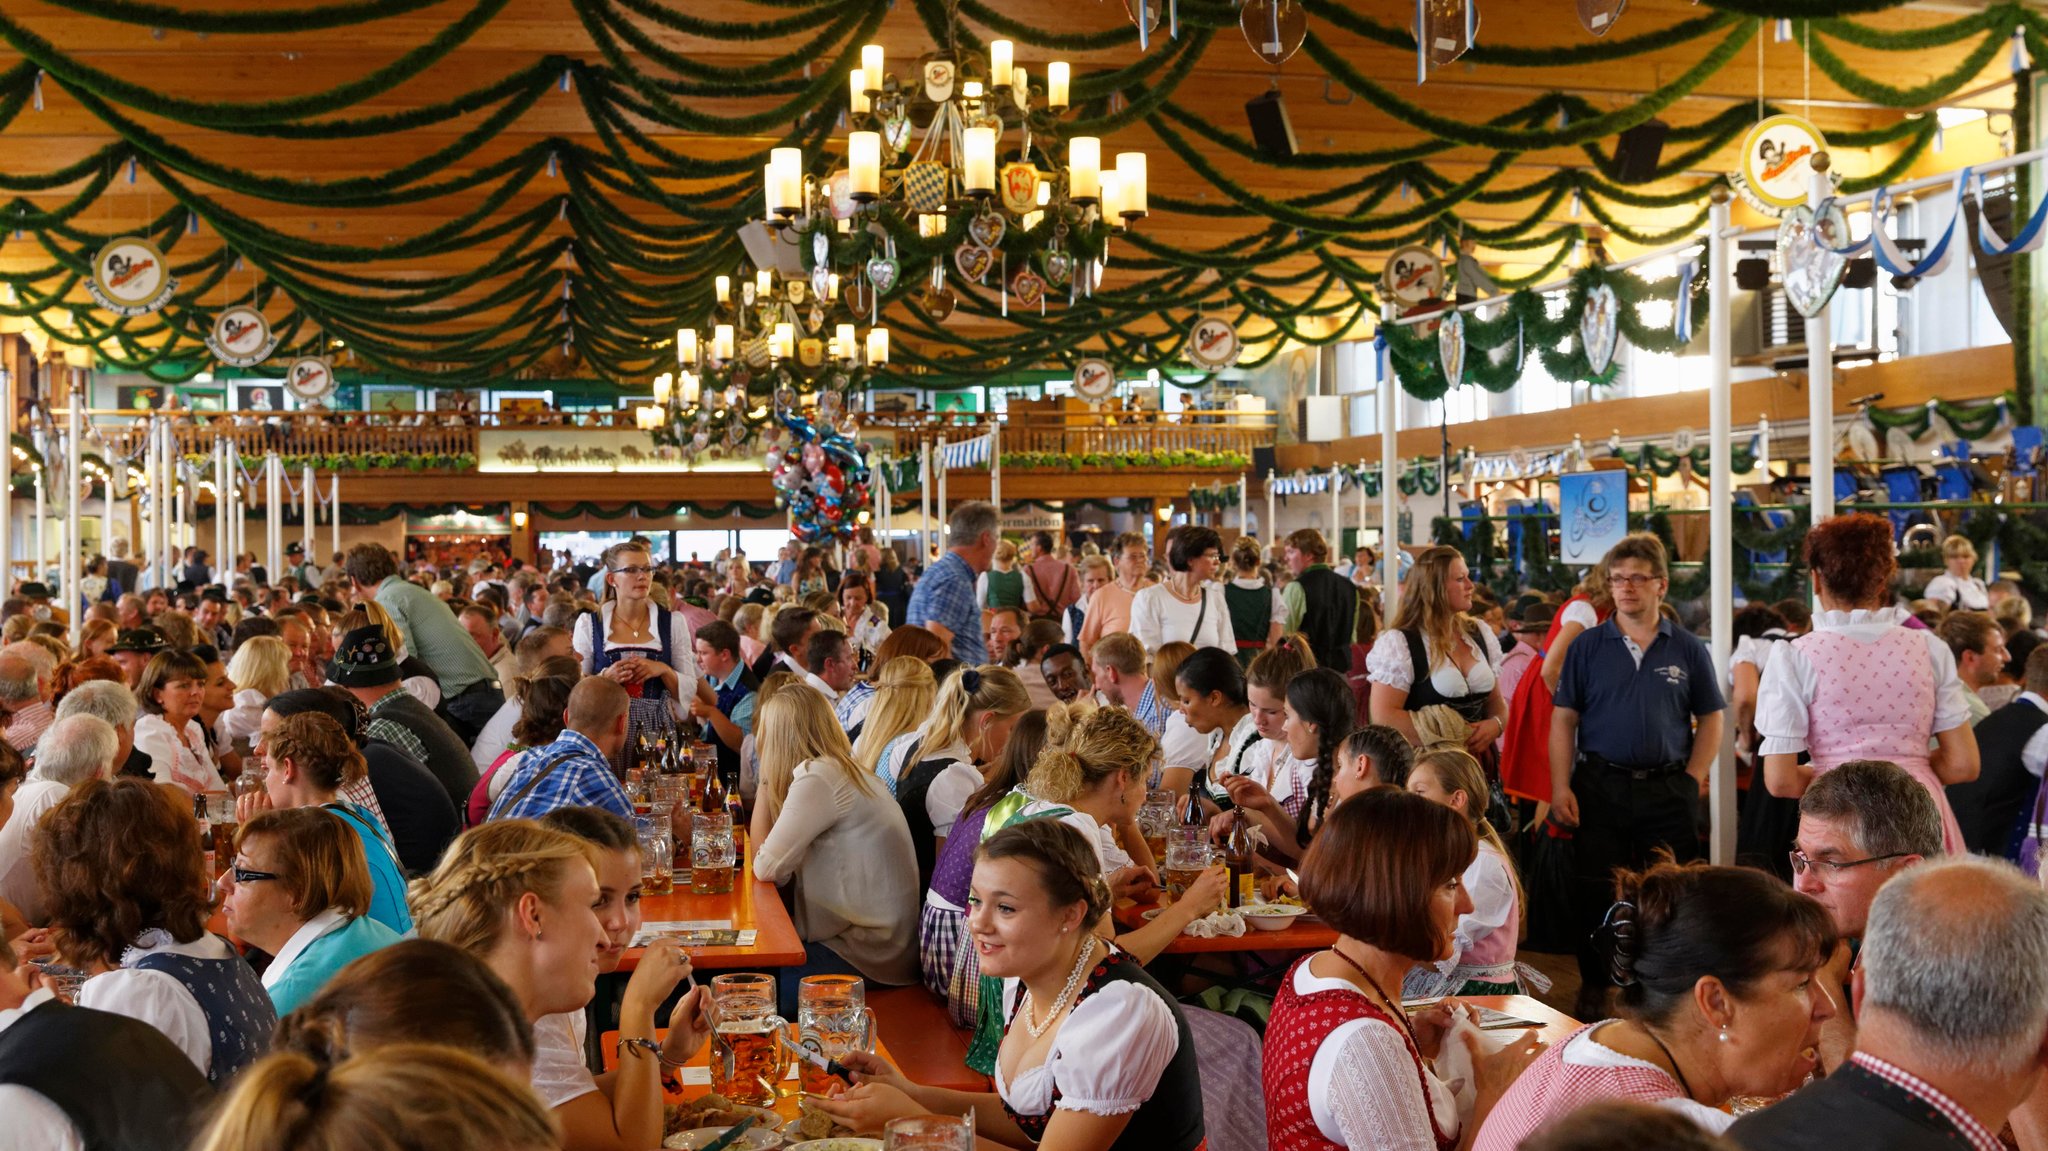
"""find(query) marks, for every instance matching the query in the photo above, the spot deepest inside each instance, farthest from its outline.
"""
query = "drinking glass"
(928, 1133)
(657, 855)
(747, 1061)
(220, 813)
(832, 1018)
(711, 853)
(1187, 855)
(63, 982)
(1155, 817)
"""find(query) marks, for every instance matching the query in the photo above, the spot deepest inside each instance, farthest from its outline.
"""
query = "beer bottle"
(714, 795)
(206, 844)
(1237, 856)
(1193, 817)
(737, 810)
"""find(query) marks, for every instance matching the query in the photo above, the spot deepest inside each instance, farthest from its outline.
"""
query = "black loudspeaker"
(1262, 461)
(1637, 149)
(1271, 130)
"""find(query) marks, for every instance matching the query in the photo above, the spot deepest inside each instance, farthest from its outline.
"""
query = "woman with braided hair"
(1320, 712)
(525, 898)
(1718, 999)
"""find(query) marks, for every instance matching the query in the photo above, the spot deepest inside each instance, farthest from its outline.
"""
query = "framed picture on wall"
(140, 397)
(257, 396)
(390, 398)
(892, 401)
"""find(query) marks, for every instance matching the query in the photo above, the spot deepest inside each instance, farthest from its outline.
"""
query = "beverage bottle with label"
(737, 810)
(1193, 816)
(206, 844)
(714, 795)
(1237, 856)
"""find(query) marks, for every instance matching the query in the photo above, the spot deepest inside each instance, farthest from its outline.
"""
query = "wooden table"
(1306, 933)
(1555, 1024)
(785, 1106)
(751, 904)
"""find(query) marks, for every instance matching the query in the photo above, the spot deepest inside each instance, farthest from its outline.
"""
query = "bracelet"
(635, 1046)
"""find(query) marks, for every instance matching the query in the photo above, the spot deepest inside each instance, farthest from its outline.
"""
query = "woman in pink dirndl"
(1860, 685)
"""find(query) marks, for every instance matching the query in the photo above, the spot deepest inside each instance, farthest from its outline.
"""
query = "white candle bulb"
(1084, 169)
(1056, 85)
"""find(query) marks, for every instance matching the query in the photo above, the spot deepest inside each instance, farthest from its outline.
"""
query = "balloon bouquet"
(826, 485)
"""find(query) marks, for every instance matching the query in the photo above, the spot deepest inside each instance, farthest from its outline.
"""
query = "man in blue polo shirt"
(944, 600)
(1636, 726)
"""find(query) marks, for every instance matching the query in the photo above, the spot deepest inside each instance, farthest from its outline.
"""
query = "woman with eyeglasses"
(300, 890)
(646, 648)
(1435, 652)
(1861, 685)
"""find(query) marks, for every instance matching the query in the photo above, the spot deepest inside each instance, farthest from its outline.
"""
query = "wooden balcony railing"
(450, 435)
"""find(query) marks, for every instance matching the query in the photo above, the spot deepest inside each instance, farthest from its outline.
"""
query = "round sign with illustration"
(1213, 344)
(1777, 162)
(309, 378)
(130, 277)
(1413, 275)
(241, 337)
(1094, 379)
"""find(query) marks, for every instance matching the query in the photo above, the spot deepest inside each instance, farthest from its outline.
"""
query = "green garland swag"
(1973, 421)
(1664, 462)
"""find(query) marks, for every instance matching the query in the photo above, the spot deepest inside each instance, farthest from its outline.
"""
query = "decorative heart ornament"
(1059, 268)
(821, 249)
(939, 302)
(882, 273)
(1443, 30)
(857, 295)
(973, 260)
(821, 280)
(1450, 347)
(1809, 270)
(987, 229)
(1028, 286)
(1273, 28)
(1600, 327)
(1598, 16)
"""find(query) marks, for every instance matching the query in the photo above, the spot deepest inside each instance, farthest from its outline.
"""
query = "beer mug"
(1155, 819)
(747, 1060)
(832, 1018)
(1187, 856)
(711, 853)
(928, 1133)
(657, 855)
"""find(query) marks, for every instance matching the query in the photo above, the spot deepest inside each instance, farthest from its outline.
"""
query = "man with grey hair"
(115, 704)
(1952, 1006)
(944, 600)
(74, 749)
(22, 691)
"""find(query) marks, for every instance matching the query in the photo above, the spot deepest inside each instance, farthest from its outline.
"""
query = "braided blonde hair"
(1106, 742)
(483, 874)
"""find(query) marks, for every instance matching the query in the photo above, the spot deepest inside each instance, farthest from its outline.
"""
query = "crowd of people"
(338, 859)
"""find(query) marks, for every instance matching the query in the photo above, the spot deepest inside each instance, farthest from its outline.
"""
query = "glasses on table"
(1801, 861)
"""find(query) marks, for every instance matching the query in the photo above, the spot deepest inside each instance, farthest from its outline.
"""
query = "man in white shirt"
(73, 750)
(830, 664)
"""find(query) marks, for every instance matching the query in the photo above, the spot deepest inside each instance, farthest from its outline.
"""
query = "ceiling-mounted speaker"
(1753, 274)
(1637, 149)
(1271, 129)
(1862, 273)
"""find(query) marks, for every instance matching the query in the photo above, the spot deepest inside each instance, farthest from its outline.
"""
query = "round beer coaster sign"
(309, 378)
(130, 277)
(241, 337)
(1094, 379)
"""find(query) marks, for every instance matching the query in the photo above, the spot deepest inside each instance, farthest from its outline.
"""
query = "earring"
(1724, 1035)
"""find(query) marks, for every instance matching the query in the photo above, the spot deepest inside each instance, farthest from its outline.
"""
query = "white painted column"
(1336, 512)
(995, 467)
(1244, 507)
(939, 511)
(107, 508)
(179, 516)
(1820, 381)
(273, 514)
(334, 497)
(74, 510)
(1721, 514)
(37, 554)
(1361, 504)
(924, 502)
(312, 495)
(7, 486)
(222, 561)
(1272, 511)
(1763, 449)
(1390, 486)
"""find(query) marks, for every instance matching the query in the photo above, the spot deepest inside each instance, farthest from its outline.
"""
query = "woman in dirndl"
(645, 648)
(1435, 652)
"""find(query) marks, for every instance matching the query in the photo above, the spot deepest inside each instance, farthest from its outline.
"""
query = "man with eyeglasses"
(1636, 725)
(1859, 826)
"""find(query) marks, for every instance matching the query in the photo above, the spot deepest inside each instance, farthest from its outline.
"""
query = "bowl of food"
(1151, 914)
(755, 1138)
(1271, 916)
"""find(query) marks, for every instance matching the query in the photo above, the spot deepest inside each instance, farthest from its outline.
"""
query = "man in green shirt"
(470, 693)
(1320, 603)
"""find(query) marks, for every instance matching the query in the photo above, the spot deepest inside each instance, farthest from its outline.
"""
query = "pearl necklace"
(1059, 1004)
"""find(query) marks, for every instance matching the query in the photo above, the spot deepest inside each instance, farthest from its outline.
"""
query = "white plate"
(755, 1139)
(838, 1143)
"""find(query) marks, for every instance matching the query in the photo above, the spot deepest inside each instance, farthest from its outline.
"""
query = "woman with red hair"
(1861, 685)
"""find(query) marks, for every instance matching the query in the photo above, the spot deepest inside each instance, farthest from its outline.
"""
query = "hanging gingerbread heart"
(1598, 16)
(1450, 347)
(1809, 268)
(939, 302)
(1273, 28)
(1600, 327)
(882, 273)
(987, 229)
(821, 249)
(1444, 32)
(973, 260)
(1059, 268)
(1028, 286)
(821, 280)
(857, 295)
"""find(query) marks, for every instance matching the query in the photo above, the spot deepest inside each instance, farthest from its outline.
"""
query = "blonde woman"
(1001, 585)
(903, 701)
(523, 897)
(972, 717)
(1435, 652)
(830, 829)
(1482, 959)
(261, 669)
(1958, 588)
(404, 1097)
(750, 621)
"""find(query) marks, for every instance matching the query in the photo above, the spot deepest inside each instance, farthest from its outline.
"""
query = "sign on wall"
(1592, 515)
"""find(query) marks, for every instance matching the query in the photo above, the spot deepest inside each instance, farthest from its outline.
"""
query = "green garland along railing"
(639, 257)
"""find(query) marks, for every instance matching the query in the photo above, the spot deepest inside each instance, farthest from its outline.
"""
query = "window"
(1357, 376)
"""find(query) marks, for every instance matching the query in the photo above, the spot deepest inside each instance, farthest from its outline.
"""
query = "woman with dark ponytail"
(1718, 999)
(1320, 713)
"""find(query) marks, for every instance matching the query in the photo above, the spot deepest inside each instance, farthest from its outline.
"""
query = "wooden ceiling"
(230, 68)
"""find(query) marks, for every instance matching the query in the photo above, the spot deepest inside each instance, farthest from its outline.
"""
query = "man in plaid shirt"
(944, 599)
(576, 769)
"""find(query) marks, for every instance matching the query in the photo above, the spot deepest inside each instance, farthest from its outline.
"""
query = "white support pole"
(222, 561)
(334, 498)
(238, 517)
(1361, 505)
(160, 500)
(1244, 507)
(1390, 477)
(1272, 512)
(939, 512)
(74, 512)
(179, 515)
(1721, 514)
(1763, 449)
(995, 467)
(114, 471)
(1820, 381)
(7, 487)
(924, 503)
(37, 555)
(1336, 511)
(273, 514)
(312, 495)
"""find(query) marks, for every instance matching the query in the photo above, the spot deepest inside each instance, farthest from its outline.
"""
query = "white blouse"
(1579, 612)
(1361, 1083)
(1388, 663)
(187, 764)
(1159, 617)
(156, 997)
(1967, 593)
(559, 1073)
(1784, 697)
(1101, 837)
(1585, 1051)
(1106, 1057)
(950, 790)
(849, 852)
(242, 720)
(1492, 889)
(1183, 746)
(682, 655)
(869, 630)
